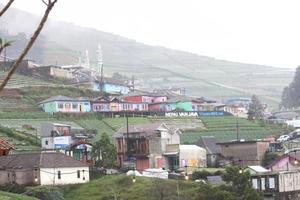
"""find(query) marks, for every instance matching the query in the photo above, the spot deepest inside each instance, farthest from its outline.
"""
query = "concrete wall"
(19, 176)
(62, 73)
(250, 153)
(49, 176)
(49, 107)
(167, 138)
(185, 106)
(50, 142)
(100, 107)
(4, 179)
(82, 106)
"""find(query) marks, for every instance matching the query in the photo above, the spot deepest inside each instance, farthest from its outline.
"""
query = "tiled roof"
(36, 160)
(5, 145)
(54, 159)
(20, 161)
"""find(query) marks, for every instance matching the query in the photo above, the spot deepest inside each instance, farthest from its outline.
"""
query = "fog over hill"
(153, 66)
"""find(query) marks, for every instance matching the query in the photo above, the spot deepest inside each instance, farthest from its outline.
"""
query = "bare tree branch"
(29, 45)
(6, 7)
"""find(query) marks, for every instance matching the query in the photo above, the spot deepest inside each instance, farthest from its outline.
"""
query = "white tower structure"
(100, 66)
(99, 60)
(87, 59)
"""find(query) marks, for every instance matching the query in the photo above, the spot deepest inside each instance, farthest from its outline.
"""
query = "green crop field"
(109, 125)
(225, 129)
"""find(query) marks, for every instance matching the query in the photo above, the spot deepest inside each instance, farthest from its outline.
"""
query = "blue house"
(65, 104)
(112, 87)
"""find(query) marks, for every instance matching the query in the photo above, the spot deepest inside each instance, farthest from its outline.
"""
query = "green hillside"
(225, 129)
(152, 66)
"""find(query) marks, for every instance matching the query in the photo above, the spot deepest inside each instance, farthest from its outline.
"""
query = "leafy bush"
(201, 174)
(14, 188)
(45, 192)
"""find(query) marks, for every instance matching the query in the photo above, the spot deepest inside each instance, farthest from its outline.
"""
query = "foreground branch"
(6, 7)
(29, 45)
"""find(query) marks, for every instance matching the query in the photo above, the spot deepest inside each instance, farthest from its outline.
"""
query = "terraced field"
(19, 81)
(109, 125)
(34, 123)
(225, 129)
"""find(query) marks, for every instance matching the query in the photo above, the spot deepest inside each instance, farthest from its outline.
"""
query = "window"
(58, 174)
(78, 173)
(272, 183)
(263, 184)
(67, 106)
(46, 142)
(60, 105)
(74, 105)
(254, 183)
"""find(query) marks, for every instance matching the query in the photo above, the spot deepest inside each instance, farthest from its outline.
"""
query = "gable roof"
(210, 144)
(146, 129)
(63, 98)
(4, 144)
(39, 160)
(20, 161)
(55, 159)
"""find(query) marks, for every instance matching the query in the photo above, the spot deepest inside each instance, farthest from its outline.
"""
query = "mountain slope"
(63, 43)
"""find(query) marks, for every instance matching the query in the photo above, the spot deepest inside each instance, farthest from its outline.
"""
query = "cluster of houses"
(64, 159)
(137, 102)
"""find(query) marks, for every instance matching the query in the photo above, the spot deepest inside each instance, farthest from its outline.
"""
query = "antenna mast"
(100, 66)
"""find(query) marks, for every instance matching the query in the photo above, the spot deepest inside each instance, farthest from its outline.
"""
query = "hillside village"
(167, 131)
(78, 132)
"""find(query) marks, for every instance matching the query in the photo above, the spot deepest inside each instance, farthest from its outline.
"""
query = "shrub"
(45, 192)
(201, 174)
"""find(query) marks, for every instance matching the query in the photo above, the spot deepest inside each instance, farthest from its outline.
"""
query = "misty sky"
(254, 31)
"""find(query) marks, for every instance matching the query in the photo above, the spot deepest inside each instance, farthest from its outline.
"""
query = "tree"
(240, 184)
(4, 44)
(291, 95)
(256, 109)
(104, 152)
(50, 4)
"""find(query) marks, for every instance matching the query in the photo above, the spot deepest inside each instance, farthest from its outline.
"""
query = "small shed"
(192, 156)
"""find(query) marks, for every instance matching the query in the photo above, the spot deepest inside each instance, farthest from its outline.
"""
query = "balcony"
(139, 152)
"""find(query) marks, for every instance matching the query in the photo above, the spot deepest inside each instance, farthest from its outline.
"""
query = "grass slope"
(12, 196)
(122, 187)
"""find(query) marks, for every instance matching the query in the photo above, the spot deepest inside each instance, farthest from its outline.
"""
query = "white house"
(45, 168)
(59, 169)
(192, 156)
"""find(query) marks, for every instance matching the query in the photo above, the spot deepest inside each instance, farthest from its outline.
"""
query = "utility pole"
(127, 131)
(237, 128)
